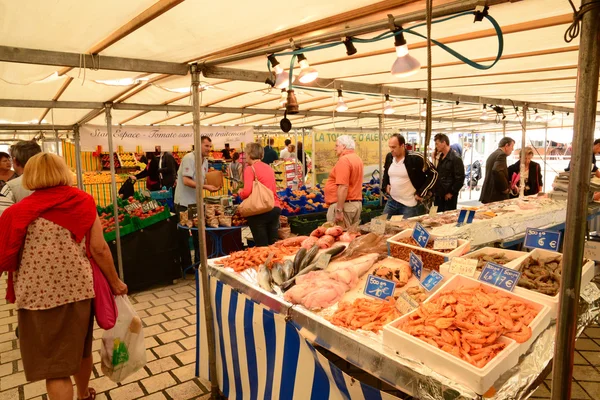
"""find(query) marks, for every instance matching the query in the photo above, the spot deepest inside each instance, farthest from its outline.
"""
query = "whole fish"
(298, 259)
(277, 274)
(288, 269)
(265, 280)
(309, 258)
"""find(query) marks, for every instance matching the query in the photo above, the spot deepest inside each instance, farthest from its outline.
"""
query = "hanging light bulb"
(307, 73)
(341, 104)
(553, 117)
(283, 99)
(282, 78)
(292, 103)
(387, 106)
(405, 65)
(484, 114)
(537, 117)
(518, 115)
(424, 112)
(350, 49)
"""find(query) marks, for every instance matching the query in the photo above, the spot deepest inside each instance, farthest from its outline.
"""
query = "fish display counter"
(428, 332)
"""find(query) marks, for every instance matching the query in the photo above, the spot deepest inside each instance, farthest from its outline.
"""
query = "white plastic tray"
(478, 379)
(515, 257)
(463, 247)
(587, 274)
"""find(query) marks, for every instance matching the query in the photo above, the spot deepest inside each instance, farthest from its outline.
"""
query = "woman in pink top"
(264, 227)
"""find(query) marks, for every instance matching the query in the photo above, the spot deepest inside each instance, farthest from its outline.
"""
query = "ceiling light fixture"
(307, 73)
(292, 103)
(484, 113)
(405, 64)
(283, 99)
(387, 106)
(350, 49)
(553, 117)
(424, 112)
(341, 104)
(537, 117)
(281, 77)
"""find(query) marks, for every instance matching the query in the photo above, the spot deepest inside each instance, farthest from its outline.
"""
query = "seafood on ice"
(321, 289)
(255, 256)
(417, 293)
(542, 274)
(365, 314)
(467, 323)
(394, 270)
(496, 258)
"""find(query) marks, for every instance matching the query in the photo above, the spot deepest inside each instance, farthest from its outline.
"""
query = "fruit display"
(105, 160)
(128, 160)
(302, 201)
(90, 178)
(108, 221)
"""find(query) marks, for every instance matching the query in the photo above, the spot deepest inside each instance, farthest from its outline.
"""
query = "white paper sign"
(148, 137)
(445, 243)
(590, 293)
(405, 303)
(378, 226)
(397, 218)
(463, 266)
(433, 211)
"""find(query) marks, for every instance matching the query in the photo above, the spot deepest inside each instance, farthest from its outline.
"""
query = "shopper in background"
(167, 170)
(150, 173)
(6, 173)
(142, 161)
(285, 153)
(270, 153)
(264, 226)
(451, 174)
(54, 298)
(343, 189)
(456, 147)
(595, 150)
(496, 184)
(533, 175)
(185, 194)
(13, 191)
(235, 170)
(407, 178)
(292, 149)
(226, 152)
(303, 157)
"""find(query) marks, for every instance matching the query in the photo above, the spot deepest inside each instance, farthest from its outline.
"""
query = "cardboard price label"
(433, 211)
(397, 218)
(421, 235)
(405, 304)
(378, 226)
(432, 280)
(500, 276)
(416, 265)
(443, 243)
(379, 288)
(463, 266)
(590, 293)
(323, 261)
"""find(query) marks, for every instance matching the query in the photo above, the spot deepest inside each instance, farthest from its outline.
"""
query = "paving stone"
(162, 301)
(191, 309)
(150, 342)
(8, 320)
(192, 301)
(6, 346)
(140, 374)
(541, 392)
(142, 314)
(158, 310)
(35, 389)
(165, 293)
(171, 336)
(20, 365)
(178, 304)
(189, 330)
(158, 382)
(593, 357)
(177, 297)
(155, 396)
(577, 392)
(579, 360)
(102, 384)
(12, 394)
(142, 306)
(6, 369)
(153, 330)
(186, 372)
(189, 343)
(98, 369)
(185, 391)
(586, 344)
(5, 337)
(593, 388)
(127, 392)
(187, 357)
(144, 297)
(175, 324)
(8, 356)
(586, 373)
(167, 350)
(150, 356)
(593, 333)
(172, 315)
(155, 319)
(191, 319)
(162, 365)
(11, 381)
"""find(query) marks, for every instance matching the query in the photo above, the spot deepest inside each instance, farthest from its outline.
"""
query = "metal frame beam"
(35, 127)
(75, 60)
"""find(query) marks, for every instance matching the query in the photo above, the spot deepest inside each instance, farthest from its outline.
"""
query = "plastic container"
(514, 257)
(432, 259)
(478, 379)
(587, 274)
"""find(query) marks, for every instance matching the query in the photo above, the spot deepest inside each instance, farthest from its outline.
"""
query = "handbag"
(105, 307)
(260, 201)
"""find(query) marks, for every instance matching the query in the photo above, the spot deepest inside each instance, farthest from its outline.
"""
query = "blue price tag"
(379, 288)
(416, 265)
(542, 239)
(500, 276)
(421, 235)
(431, 280)
(465, 217)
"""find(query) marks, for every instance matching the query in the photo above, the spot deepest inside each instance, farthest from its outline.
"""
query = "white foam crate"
(463, 247)
(478, 379)
(587, 274)
(515, 257)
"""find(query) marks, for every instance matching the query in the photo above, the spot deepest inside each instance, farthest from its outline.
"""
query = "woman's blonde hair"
(46, 170)
(255, 151)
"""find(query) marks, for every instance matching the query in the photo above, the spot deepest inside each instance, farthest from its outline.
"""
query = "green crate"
(369, 213)
(305, 224)
(127, 228)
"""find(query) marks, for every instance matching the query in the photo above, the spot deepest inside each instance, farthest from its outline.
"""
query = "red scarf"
(66, 206)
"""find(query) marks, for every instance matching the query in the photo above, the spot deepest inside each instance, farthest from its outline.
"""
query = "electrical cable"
(575, 28)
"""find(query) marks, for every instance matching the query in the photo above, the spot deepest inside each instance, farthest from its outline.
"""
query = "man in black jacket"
(451, 174)
(167, 169)
(496, 185)
(407, 178)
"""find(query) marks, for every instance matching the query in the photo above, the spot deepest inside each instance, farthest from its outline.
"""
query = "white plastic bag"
(123, 351)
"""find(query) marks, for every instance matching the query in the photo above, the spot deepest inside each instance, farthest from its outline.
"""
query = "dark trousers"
(185, 256)
(264, 227)
(446, 205)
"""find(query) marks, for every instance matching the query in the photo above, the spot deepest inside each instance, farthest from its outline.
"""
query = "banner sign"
(149, 137)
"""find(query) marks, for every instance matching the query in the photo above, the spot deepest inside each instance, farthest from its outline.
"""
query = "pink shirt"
(265, 175)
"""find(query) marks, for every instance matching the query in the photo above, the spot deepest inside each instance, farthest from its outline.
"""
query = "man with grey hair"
(13, 191)
(343, 190)
(496, 185)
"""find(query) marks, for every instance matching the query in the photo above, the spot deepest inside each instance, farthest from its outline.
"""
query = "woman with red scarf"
(47, 243)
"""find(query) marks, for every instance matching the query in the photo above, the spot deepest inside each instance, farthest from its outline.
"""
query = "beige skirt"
(54, 341)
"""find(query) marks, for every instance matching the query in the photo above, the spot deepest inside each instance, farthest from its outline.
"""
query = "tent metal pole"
(314, 158)
(584, 122)
(57, 143)
(522, 166)
(199, 175)
(78, 157)
(113, 189)
(381, 189)
(304, 166)
(471, 172)
(545, 154)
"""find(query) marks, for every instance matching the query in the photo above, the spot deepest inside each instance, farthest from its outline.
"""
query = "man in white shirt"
(13, 191)
(285, 153)
(404, 179)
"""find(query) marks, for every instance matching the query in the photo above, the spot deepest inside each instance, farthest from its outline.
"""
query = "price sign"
(379, 288)
(130, 207)
(323, 261)
(465, 217)
(433, 211)
(421, 235)
(405, 303)
(432, 280)
(590, 293)
(445, 243)
(416, 265)
(378, 226)
(463, 266)
(397, 218)
(500, 276)
(542, 239)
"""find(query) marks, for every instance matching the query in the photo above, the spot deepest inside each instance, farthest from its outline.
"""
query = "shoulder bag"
(260, 201)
